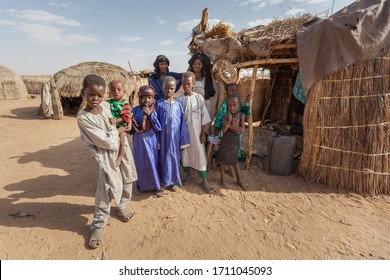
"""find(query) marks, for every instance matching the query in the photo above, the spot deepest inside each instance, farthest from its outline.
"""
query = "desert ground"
(47, 188)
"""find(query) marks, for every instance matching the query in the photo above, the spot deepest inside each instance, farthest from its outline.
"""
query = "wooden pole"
(269, 61)
(250, 118)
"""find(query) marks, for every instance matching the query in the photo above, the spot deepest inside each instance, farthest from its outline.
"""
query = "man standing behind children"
(173, 136)
(196, 117)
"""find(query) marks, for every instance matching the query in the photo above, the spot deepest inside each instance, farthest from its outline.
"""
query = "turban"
(146, 91)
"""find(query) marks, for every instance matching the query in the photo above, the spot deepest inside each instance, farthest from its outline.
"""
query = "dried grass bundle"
(347, 129)
(220, 30)
(277, 31)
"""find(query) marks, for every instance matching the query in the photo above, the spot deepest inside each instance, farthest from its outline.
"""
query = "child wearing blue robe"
(144, 130)
(173, 136)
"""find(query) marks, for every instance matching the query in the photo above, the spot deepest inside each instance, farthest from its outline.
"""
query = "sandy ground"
(47, 173)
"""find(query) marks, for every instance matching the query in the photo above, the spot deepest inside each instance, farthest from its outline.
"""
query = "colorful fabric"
(298, 90)
(120, 109)
(244, 109)
(172, 138)
(201, 174)
(146, 151)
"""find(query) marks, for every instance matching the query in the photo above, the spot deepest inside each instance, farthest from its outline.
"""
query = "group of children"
(166, 134)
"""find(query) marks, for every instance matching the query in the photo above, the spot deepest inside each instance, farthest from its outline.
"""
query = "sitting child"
(232, 126)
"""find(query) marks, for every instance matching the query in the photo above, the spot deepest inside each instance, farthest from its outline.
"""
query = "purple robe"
(146, 153)
(172, 137)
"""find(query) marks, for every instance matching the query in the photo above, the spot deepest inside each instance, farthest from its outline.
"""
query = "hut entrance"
(71, 105)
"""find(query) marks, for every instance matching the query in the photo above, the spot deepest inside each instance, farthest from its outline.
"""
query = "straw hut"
(271, 47)
(11, 85)
(34, 83)
(69, 82)
(347, 116)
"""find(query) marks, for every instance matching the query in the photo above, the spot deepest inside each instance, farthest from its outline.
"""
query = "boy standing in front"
(103, 140)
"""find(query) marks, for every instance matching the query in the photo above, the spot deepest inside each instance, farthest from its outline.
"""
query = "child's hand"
(112, 121)
(146, 111)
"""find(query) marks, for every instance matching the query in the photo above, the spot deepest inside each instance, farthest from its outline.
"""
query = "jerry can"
(280, 154)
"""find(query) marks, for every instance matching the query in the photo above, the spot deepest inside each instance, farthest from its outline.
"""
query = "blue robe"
(146, 152)
(158, 87)
(172, 137)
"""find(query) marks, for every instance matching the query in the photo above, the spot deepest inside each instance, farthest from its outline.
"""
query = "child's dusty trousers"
(201, 174)
(103, 205)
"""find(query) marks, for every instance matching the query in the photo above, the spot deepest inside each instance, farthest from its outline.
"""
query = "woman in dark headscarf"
(201, 65)
(161, 70)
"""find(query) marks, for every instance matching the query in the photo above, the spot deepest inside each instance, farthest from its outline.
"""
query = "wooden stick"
(250, 119)
(270, 98)
(268, 61)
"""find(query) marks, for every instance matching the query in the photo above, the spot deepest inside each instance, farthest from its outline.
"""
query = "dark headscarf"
(209, 90)
(160, 58)
(146, 121)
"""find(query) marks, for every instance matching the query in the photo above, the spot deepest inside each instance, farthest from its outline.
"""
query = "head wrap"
(159, 58)
(206, 71)
(146, 90)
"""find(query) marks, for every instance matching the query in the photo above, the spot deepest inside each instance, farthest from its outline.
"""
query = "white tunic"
(195, 115)
(102, 139)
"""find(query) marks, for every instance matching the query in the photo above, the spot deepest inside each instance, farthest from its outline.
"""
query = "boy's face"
(169, 89)
(146, 100)
(117, 91)
(231, 89)
(93, 95)
(187, 85)
(232, 104)
(163, 66)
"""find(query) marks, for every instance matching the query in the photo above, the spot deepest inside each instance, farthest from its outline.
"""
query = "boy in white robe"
(196, 117)
(102, 139)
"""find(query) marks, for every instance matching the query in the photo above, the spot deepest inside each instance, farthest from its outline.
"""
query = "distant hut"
(11, 85)
(345, 61)
(34, 83)
(69, 82)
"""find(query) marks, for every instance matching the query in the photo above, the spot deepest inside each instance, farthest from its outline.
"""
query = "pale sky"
(42, 37)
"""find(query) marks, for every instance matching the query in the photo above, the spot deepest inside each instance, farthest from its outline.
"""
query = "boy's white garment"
(103, 141)
(196, 115)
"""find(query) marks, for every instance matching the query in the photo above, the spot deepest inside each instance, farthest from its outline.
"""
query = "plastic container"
(280, 154)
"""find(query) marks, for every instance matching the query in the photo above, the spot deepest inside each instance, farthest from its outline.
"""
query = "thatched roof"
(34, 83)
(275, 40)
(11, 85)
(69, 81)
